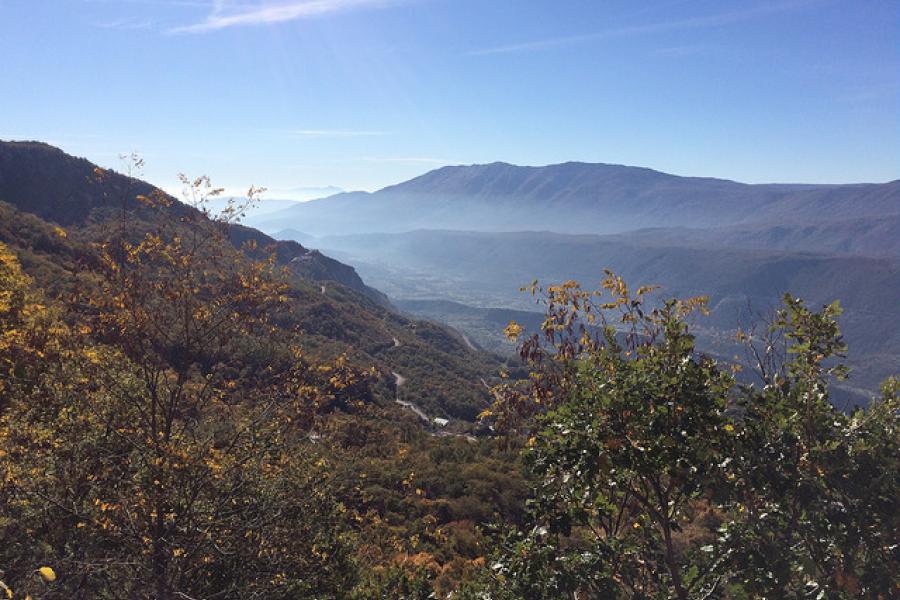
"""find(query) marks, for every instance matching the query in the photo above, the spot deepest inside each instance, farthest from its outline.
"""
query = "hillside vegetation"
(336, 312)
(169, 425)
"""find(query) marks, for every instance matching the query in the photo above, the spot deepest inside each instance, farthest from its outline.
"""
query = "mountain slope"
(441, 236)
(577, 198)
(867, 236)
(52, 185)
(487, 269)
(41, 187)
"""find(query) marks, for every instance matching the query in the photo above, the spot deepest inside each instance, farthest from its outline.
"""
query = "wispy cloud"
(335, 133)
(225, 15)
(126, 23)
(712, 20)
(407, 160)
(679, 51)
(173, 3)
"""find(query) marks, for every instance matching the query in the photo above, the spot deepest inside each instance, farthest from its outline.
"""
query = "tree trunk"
(672, 564)
(160, 559)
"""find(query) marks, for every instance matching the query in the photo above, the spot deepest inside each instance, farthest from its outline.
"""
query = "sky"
(360, 94)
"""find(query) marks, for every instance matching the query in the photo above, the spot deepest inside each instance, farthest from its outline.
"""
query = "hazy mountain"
(578, 198)
(867, 236)
(487, 269)
(264, 206)
(743, 245)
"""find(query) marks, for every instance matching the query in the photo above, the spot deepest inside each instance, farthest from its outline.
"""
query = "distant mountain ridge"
(578, 197)
(866, 236)
(474, 234)
(744, 245)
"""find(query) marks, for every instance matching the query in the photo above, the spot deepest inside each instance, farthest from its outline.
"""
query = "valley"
(744, 246)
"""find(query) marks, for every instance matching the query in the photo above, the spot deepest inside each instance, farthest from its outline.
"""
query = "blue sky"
(364, 93)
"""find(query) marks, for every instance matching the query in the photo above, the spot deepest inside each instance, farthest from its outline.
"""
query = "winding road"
(467, 341)
(399, 380)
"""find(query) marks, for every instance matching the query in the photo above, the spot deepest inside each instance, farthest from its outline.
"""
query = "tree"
(657, 476)
(814, 508)
(30, 331)
(629, 434)
(166, 454)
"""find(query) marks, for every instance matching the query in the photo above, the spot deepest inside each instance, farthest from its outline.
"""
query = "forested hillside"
(180, 414)
(42, 187)
(153, 456)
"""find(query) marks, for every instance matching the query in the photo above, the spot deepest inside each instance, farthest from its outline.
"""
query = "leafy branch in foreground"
(657, 476)
(163, 451)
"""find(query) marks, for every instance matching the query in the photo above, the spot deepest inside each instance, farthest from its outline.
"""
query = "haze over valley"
(476, 234)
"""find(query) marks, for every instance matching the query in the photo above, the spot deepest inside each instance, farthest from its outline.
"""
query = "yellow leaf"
(728, 427)
(5, 588)
(47, 573)
(513, 330)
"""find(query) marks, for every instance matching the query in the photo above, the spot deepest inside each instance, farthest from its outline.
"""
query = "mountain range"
(473, 235)
(582, 198)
